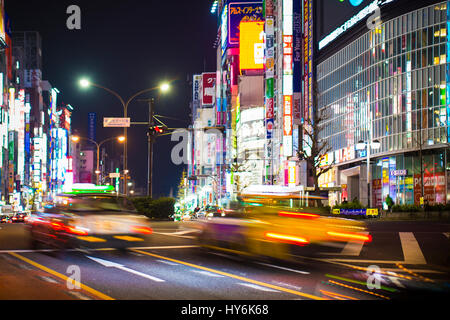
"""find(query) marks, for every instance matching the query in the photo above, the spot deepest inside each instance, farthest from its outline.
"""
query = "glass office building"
(391, 85)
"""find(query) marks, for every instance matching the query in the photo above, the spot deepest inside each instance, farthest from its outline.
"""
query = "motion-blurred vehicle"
(7, 211)
(210, 211)
(19, 217)
(89, 219)
(187, 216)
(278, 222)
(5, 219)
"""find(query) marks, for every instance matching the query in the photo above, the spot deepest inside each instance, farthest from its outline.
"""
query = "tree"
(182, 187)
(317, 147)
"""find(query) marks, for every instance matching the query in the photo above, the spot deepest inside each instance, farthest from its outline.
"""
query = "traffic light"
(155, 130)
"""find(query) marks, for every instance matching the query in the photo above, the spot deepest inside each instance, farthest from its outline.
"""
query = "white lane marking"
(167, 262)
(282, 268)
(282, 284)
(255, 286)
(110, 264)
(411, 249)
(48, 279)
(206, 273)
(79, 295)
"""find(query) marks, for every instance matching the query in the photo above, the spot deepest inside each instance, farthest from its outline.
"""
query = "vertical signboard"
(448, 71)
(297, 60)
(269, 81)
(287, 125)
(287, 76)
(208, 89)
(310, 57)
(196, 94)
(11, 178)
(92, 125)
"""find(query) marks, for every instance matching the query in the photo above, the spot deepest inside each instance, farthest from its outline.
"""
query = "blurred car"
(187, 216)
(89, 220)
(19, 217)
(5, 219)
(210, 211)
(278, 225)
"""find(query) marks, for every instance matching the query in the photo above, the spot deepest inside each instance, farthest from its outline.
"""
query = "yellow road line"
(357, 289)
(414, 274)
(337, 295)
(355, 267)
(298, 293)
(61, 276)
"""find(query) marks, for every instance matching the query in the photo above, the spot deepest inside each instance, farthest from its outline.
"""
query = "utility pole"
(150, 146)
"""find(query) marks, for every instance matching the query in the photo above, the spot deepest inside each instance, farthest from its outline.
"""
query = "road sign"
(116, 122)
(114, 175)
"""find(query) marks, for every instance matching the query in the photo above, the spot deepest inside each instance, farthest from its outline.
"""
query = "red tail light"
(142, 230)
(302, 215)
(350, 236)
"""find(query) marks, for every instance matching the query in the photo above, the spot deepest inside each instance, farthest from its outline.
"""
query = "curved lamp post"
(76, 139)
(85, 83)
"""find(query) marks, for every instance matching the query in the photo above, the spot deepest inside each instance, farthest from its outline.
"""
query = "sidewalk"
(405, 216)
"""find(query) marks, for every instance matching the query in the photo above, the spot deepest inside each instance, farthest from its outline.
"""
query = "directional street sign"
(114, 175)
(116, 122)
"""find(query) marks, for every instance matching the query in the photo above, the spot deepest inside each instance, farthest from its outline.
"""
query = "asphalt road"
(412, 257)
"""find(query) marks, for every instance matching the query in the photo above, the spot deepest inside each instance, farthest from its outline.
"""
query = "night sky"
(126, 46)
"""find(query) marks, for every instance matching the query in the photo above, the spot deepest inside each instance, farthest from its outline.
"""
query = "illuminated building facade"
(389, 84)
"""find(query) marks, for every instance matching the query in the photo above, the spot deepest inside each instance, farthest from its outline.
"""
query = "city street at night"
(231, 159)
(170, 266)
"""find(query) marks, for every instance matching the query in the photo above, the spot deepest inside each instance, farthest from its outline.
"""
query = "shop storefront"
(400, 177)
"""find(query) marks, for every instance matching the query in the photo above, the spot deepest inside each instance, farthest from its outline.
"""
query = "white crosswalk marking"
(411, 249)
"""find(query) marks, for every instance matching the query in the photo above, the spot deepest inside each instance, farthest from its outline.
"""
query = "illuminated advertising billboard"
(287, 102)
(2, 25)
(251, 46)
(287, 54)
(242, 12)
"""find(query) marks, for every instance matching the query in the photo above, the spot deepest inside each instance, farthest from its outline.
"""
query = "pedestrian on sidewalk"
(389, 203)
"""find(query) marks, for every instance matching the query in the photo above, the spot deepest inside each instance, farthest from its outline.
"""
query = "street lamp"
(361, 145)
(85, 83)
(76, 139)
